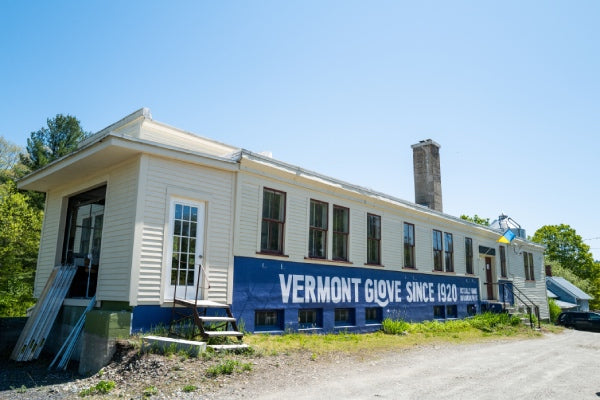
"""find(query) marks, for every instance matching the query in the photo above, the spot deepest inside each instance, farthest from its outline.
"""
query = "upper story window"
(503, 272)
(409, 245)
(341, 229)
(469, 255)
(273, 221)
(528, 264)
(449, 252)
(317, 236)
(373, 239)
(437, 251)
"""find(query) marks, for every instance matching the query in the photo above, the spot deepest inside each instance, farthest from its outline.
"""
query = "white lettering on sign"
(299, 289)
(308, 289)
(383, 292)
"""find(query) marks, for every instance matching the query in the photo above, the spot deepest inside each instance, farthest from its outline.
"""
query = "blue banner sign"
(278, 292)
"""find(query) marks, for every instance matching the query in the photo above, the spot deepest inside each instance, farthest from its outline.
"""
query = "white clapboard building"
(148, 213)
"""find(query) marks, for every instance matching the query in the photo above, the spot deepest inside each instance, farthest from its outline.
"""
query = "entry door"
(185, 258)
(489, 278)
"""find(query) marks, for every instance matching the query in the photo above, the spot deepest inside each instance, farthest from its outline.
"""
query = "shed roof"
(568, 287)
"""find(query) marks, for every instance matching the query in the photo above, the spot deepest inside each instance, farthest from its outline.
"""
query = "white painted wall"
(165, 179)
(254, 178)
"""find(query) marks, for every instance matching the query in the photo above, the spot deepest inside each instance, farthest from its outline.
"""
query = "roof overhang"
(106, 152)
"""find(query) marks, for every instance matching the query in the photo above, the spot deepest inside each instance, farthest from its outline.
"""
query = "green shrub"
(554, 310)
(102, 387)
(395, 327)
(189, 388)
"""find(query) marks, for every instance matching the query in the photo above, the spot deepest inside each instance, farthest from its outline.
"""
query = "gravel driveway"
(556, 366)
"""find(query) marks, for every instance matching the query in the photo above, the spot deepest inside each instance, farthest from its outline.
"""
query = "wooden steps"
(219, 324)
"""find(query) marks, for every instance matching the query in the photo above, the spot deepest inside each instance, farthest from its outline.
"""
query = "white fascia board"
(131, 146)
(142, 113)
(280, 167)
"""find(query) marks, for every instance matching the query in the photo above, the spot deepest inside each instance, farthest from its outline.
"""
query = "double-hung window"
(341, 229)
(503, 271)
(409, 245)
(317, 237)
(437, 251)
(448, 252)
(528, 264)
(373, 239)
(469, 255)
(273, 221)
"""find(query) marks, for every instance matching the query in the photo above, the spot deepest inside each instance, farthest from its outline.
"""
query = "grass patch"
(228, 367)
(395, 334)
(102, 387)
(189, 388)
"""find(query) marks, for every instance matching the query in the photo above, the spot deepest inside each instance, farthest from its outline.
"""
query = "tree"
(10, 165)
(58, 139)
(20, 226)
(476, 219)
(565, 246)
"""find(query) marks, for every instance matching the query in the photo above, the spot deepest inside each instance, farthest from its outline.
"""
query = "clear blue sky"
(510, 89)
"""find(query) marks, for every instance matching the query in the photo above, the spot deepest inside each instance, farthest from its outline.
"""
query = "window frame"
(448, 252)
(336, 234)
(469, 256)
(528, 266)
(438, 249)
(313, 229)
(373, 240)
(277, 326)
(315, 324)
(265, 244)
(503, 270)
(349, 321)
(373, 311)
(409, 246)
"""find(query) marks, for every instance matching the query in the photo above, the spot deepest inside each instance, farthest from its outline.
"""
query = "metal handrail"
(530, 307)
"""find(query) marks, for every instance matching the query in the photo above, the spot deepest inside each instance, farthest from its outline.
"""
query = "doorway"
(186, 250)
(489, 278)
(83, 240)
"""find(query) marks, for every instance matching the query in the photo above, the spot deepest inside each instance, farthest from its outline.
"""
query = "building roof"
(569, 287)
(159, 135)
(564, 305)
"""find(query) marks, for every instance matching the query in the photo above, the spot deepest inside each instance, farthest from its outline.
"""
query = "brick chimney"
(428, 179)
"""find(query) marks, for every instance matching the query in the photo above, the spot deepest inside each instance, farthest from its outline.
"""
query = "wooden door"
(489, 277)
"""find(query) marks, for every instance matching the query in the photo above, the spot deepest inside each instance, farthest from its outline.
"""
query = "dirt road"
(557, 366)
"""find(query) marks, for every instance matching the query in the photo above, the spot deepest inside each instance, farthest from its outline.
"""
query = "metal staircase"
(525, 306)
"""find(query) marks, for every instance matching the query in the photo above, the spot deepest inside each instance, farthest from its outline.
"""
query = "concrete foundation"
(98, 343)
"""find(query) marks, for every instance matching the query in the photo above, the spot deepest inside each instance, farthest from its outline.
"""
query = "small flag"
(507, 237)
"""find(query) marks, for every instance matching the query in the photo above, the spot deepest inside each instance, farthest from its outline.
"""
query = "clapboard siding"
(117, 232)
(114, 273)
(49, 239)
(166, 179)
(393, 217)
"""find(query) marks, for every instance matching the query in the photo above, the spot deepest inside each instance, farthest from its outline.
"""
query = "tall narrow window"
(409, 245)
(449, 252)
(317, 236)
(528, 264)
(273, 220)
(341, 228)
(373, 239)
(503, 272)
(437, 251)
(469, 255)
